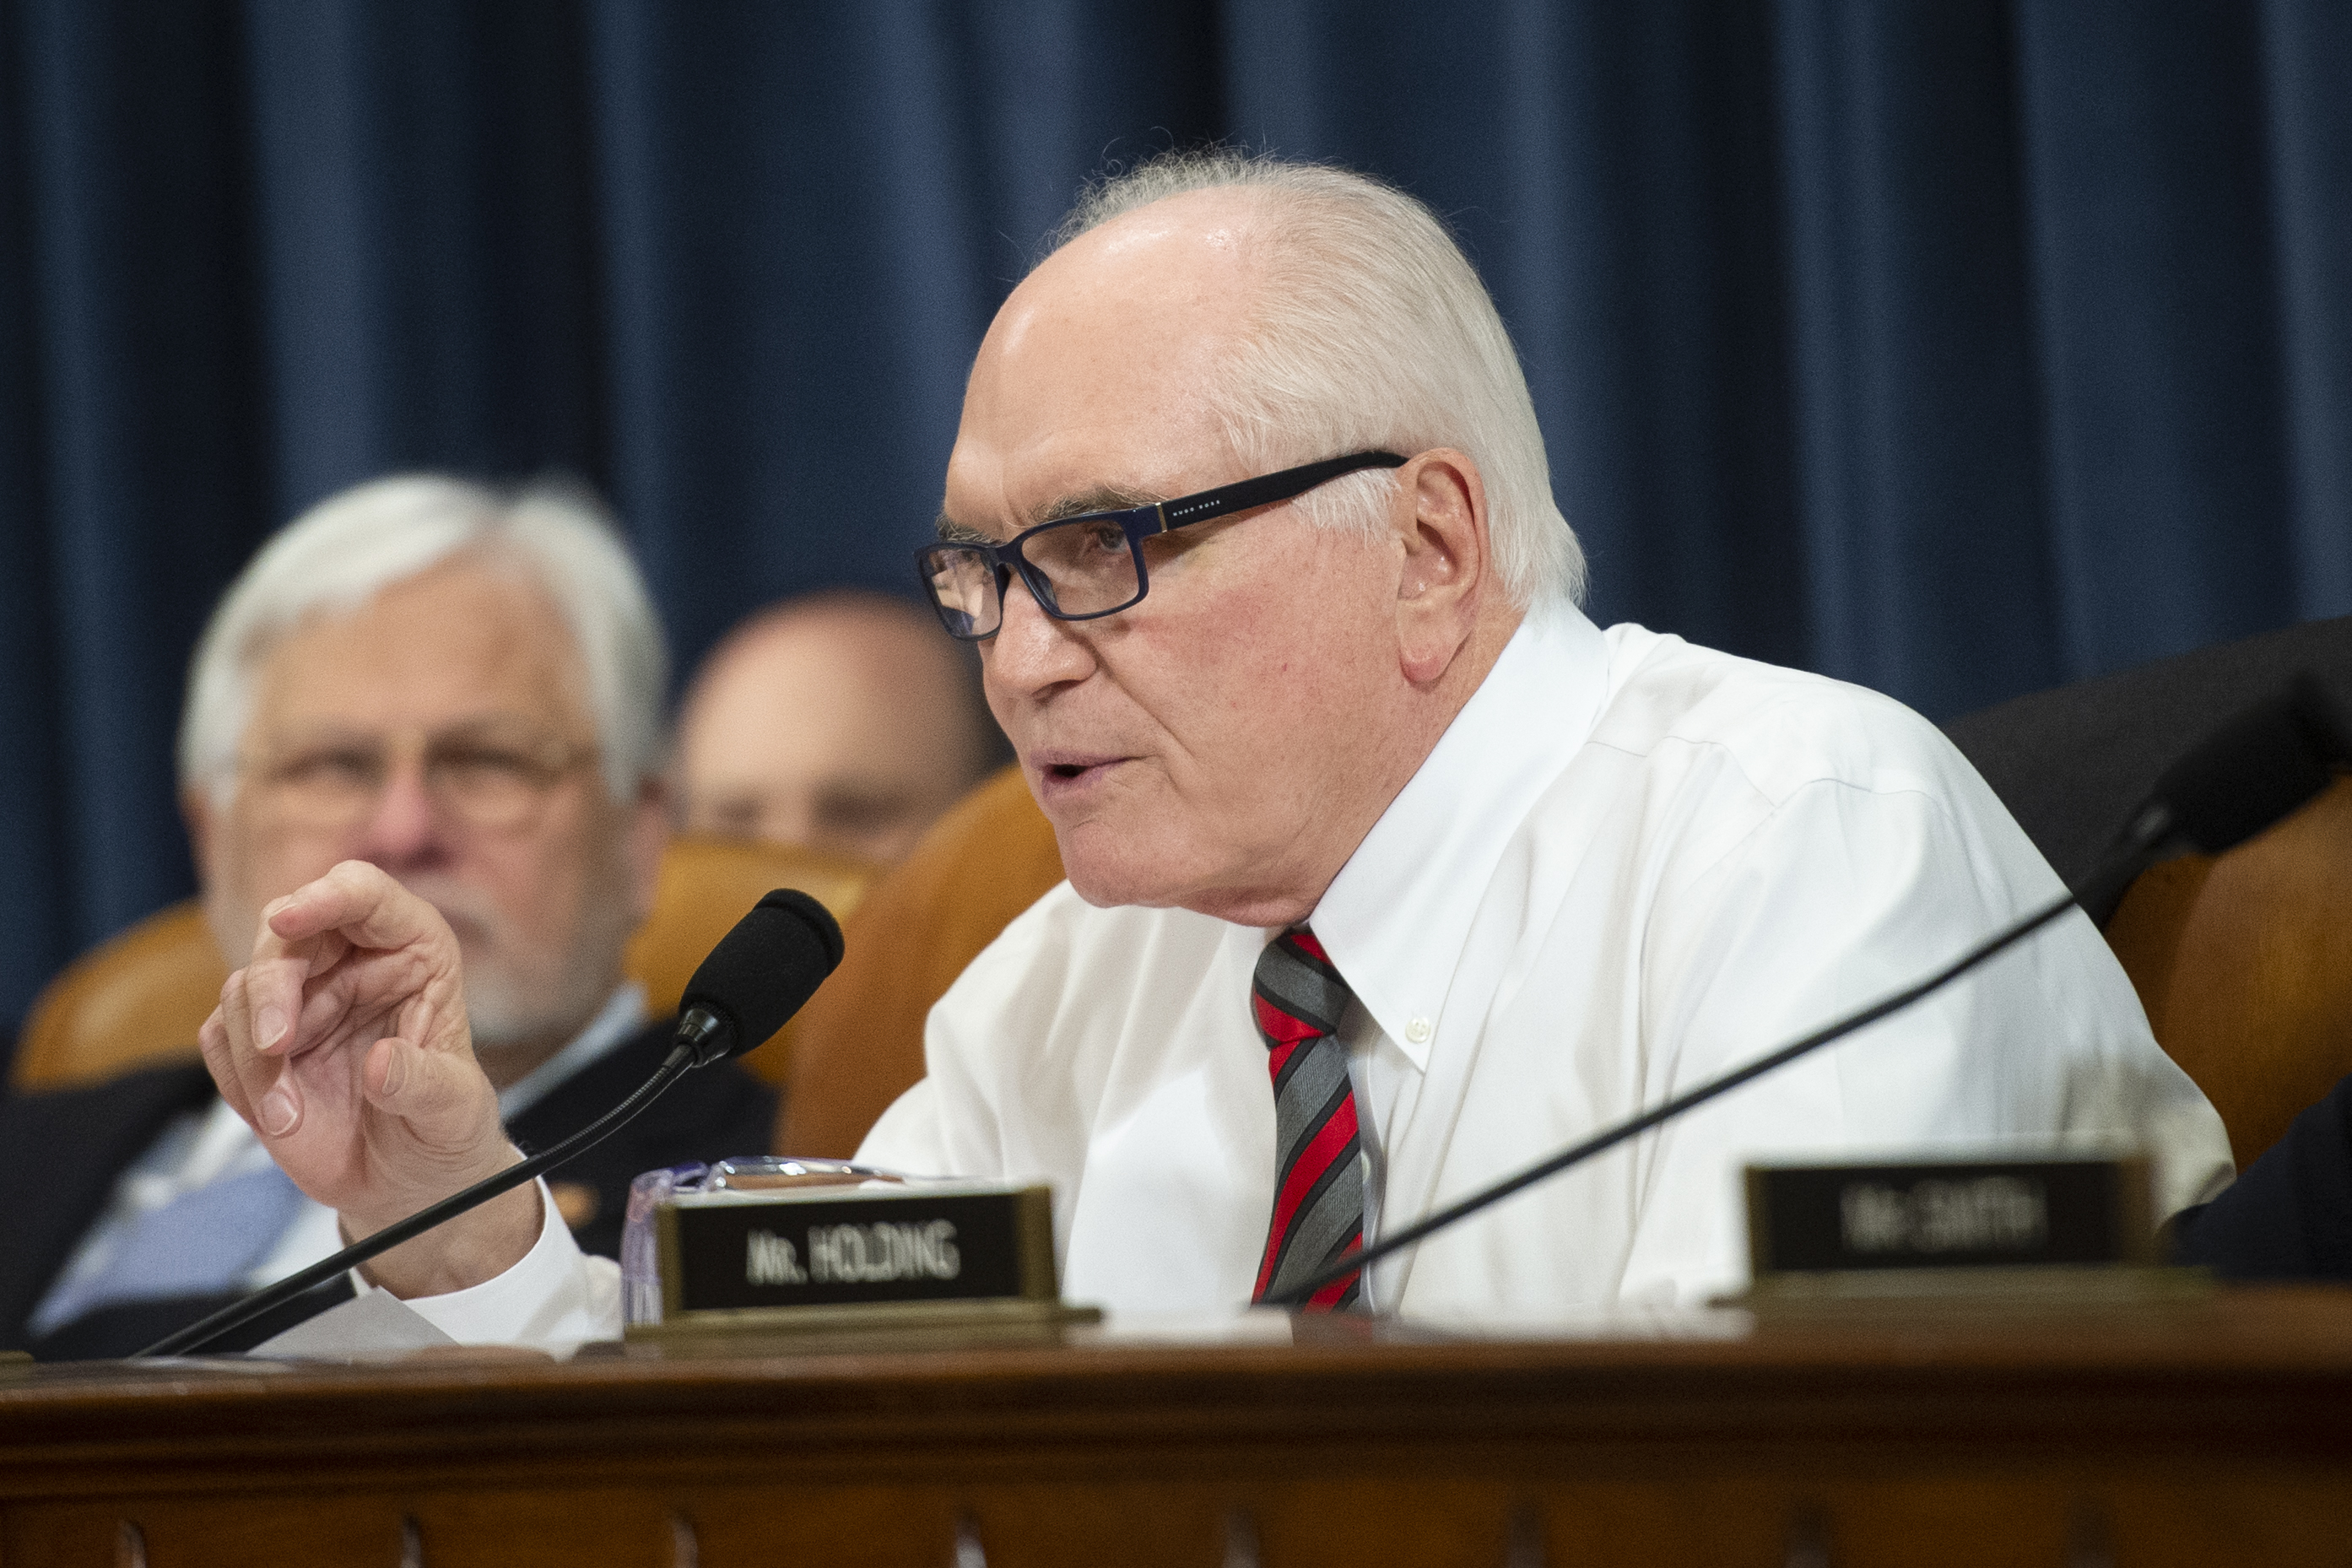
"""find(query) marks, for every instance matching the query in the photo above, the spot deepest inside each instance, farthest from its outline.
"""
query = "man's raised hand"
(344, 1044)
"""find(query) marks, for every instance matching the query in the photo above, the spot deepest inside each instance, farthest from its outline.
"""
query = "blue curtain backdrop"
(1959, 348)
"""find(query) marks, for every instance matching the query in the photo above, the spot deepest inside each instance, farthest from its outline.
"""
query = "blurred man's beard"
(508, 1002)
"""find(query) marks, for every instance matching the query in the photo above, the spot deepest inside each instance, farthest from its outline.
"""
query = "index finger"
(361, 901)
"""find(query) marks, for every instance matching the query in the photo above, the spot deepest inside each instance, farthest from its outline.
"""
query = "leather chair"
(139, 999)
(2244, 964)
(858, 1045)
(2243, 961)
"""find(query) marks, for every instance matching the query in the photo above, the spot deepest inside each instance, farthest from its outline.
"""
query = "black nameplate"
(1995, 1214)
(889, 1246)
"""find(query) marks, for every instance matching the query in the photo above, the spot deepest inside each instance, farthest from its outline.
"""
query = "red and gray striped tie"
(1318, 1174)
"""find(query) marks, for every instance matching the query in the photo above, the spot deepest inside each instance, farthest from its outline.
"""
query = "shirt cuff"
(553, 1298)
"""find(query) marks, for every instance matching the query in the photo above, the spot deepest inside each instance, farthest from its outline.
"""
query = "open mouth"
(1065, 768)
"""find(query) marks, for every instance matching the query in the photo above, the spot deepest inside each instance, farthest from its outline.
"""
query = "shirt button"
(1418, 1031)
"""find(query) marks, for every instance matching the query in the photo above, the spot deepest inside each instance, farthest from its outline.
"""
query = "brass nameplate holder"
(2056, 1231)
(824, 1257)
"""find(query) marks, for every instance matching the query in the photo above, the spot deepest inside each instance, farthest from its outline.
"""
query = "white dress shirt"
(1628, 865)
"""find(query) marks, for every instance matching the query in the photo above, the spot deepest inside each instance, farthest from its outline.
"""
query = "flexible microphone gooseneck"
(2245, 775)
(759, 975)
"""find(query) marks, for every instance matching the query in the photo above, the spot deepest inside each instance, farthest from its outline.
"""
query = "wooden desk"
(2213, 1432)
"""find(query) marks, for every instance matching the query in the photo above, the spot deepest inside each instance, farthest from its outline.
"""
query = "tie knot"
(1296, 993)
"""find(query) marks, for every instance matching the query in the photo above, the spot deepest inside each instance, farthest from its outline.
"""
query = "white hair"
(353, 546)
(1370, 330)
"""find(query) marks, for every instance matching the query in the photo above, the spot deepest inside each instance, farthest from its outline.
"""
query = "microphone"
(761, 973)
(2255, 769)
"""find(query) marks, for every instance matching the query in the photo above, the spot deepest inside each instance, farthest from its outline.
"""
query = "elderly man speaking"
(1388, 872)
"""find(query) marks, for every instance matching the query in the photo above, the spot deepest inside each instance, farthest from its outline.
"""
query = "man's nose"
(404, 824)
(788, 815)
(1032, 652)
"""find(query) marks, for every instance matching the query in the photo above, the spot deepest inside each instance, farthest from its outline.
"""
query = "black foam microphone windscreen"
(762, 972)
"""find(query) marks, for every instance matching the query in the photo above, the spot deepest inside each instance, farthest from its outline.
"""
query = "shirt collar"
(606, 1030)
(1396, 917)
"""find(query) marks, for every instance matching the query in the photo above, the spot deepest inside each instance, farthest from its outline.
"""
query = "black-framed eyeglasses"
(1080, 568)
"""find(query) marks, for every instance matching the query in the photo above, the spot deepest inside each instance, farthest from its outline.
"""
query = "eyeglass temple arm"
(1268, 487)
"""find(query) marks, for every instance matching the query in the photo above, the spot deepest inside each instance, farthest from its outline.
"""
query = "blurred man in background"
(464, 689)
(841, 720)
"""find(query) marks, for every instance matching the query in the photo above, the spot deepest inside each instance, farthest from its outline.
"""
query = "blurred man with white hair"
(1388, 871)
(464, 689)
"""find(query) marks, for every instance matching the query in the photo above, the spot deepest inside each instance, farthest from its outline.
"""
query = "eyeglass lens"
(1084, 567)
(1087, 562)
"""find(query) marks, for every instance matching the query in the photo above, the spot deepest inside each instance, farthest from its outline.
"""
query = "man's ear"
(1439, 517)
(646, 831)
